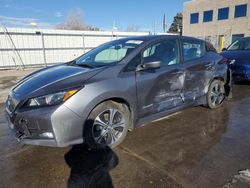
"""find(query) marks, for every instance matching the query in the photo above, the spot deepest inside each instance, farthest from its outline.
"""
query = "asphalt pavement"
(196, 147)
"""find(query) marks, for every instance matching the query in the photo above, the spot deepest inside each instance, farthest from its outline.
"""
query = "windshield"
(241, 44)
(109, 53)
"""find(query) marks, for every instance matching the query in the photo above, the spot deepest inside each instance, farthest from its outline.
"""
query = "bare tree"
(75, 21)
(132, 28)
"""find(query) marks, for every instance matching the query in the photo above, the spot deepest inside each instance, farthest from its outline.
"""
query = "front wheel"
(216, 94)
(107, 125)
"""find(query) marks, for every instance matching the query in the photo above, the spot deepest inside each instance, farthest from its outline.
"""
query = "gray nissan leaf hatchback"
(116, 87)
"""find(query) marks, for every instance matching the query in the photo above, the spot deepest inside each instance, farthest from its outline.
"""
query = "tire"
(216, 94)
(99, 132)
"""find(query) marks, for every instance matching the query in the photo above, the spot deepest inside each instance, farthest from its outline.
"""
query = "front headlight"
(51, 99)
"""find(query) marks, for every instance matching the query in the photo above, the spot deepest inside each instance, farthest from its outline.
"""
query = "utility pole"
(114, 28)
(164, 23)
(44, 53)
(155, 27)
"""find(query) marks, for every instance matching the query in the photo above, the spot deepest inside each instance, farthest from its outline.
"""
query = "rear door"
(160, 89)
(198, 67)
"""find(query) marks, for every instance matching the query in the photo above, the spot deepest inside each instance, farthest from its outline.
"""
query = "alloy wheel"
(217, 94)
(108, 127)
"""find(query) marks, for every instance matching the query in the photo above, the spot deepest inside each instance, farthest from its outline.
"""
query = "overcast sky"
(102, 14)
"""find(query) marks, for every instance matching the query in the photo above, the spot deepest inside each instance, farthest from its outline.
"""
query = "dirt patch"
(8, 82)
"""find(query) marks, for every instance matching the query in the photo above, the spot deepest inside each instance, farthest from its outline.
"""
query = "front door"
(160, 89)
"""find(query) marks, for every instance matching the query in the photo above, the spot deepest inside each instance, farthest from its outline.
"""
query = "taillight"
(223, 61)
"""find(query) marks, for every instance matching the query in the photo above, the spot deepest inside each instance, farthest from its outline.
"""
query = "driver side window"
(167, 52)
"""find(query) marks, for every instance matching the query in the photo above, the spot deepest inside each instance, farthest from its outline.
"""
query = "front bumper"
(63, 126)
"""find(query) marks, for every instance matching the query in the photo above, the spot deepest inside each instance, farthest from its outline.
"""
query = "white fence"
(32, 47)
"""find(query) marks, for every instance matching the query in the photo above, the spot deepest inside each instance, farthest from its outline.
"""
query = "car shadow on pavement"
(243, 82)
(90, 168)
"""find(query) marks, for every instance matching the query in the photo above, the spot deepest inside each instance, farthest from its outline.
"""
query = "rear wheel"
(107, 125)
(216, 94)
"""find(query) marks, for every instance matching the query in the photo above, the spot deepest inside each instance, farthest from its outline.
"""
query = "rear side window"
(193, 49)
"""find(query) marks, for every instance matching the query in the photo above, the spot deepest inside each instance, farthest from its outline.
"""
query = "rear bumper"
(54, 126)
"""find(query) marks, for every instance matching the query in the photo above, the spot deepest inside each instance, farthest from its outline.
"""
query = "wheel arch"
(210, 82)
(218, 78)
(87, 129)
(227, 81)
(121, 101)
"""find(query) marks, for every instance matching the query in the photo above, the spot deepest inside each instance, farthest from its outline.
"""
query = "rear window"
(193, 49)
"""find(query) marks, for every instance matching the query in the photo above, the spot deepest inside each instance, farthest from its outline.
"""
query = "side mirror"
(224, 49)
(149, 65)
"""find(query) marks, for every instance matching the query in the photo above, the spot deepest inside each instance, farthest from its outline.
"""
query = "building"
(219, 21)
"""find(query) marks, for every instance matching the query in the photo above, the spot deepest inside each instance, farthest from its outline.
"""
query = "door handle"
(209, 65)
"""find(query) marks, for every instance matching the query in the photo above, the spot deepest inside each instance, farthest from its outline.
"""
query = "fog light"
(23, 121)
(46, 135)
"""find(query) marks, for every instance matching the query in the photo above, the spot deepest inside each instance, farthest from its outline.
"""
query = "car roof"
(155, 37)
(245, 38)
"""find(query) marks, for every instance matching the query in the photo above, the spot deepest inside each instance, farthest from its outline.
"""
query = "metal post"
(83, 43)
(154, 27)
(44, 54)
(14, 49)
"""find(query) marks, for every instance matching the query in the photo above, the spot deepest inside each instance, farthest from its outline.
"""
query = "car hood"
(53, 79)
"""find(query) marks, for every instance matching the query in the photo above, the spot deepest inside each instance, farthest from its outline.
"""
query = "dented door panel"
(199, 65)
(198, 74)
(160, 89)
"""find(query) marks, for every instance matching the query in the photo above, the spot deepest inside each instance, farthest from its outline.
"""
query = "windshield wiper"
(71, 62)
(85, 65)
